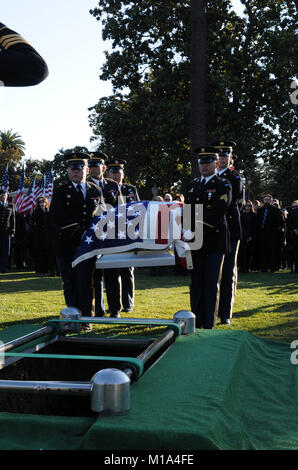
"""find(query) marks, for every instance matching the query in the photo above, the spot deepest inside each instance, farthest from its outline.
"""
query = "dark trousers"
(228, 285)
(119, 284)
(68, 281)
(77, 283)
(98, 288)
(205, 286)
(127, 287)
(4, 252)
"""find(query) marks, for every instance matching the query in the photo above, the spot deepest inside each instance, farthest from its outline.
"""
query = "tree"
(198, 124)
(250, 63)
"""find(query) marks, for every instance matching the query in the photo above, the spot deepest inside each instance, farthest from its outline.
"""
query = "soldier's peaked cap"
(116, 165)
(206, 154)
(77, 160)
(97, 158)
(224, 145)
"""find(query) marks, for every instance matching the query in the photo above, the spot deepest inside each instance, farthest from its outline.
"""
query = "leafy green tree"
(249, 65)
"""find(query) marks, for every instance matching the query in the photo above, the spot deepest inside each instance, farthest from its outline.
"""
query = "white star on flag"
(111, 224)
(103, 236)
(89, 240)
(121, 235)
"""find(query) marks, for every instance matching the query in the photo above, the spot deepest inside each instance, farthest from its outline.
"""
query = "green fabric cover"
(211, 390)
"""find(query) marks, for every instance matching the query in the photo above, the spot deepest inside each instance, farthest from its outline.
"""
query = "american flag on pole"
(5, 180)
(29, 201)
(131, 226)
(20, 194)
(48, 185)
(38, 189)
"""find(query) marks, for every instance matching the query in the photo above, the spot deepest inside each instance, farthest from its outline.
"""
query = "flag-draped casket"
(136, 226)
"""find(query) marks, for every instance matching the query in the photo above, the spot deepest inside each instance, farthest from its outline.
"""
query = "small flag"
(20, 194)
(48, 185)
(28, 200)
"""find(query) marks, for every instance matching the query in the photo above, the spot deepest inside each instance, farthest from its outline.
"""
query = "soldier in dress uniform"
(72, 208)
(111, 194)
(7, 230)
(120, 283)
(229, 271)
(20, 64)
(215, 194)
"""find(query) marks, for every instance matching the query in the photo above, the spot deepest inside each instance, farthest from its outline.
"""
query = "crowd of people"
(262, 235)
(269, 236)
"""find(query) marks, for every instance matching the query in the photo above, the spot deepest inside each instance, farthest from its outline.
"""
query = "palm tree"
(11, 141)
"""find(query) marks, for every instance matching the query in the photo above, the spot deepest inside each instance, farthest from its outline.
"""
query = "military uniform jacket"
(215, 196)
(7, 220)
(20, 64)
(130, 192)
(71, 216)
(111, 191)
(233, 215)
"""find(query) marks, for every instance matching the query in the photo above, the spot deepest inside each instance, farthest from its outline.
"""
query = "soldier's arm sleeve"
(20, 63)
(12, 229)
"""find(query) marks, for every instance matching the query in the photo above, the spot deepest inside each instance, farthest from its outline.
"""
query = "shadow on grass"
(28, 281)
(280, 282)
(30, 321)
(267, 309)
(285, 332)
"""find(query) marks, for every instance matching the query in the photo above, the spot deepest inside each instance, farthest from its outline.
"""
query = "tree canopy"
(249, 67)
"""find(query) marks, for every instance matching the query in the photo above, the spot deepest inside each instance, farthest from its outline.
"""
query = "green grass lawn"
(266, 304)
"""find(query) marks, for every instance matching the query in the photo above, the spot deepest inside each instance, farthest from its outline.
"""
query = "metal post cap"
(71, 313)
(188, 318)
(110, 391)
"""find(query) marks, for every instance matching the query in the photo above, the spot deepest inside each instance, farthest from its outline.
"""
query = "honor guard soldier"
(229, 271)
(120, 283)
(20, 64)
(72, 208)
(7, 230)
(215, 195)
(111, 193)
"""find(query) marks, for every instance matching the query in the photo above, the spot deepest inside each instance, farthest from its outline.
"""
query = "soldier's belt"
(68, 226)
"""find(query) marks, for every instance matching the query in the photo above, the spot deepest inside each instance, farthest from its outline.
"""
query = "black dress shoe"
(100, 315)
(115, 315)
(225, 321)
(127, 310)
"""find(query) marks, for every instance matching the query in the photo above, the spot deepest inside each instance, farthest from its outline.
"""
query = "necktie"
(80, 191)
(203, 182)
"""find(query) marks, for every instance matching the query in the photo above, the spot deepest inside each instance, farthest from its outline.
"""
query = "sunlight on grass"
(265, 304)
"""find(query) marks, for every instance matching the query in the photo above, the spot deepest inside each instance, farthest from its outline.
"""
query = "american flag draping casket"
(146, 229)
